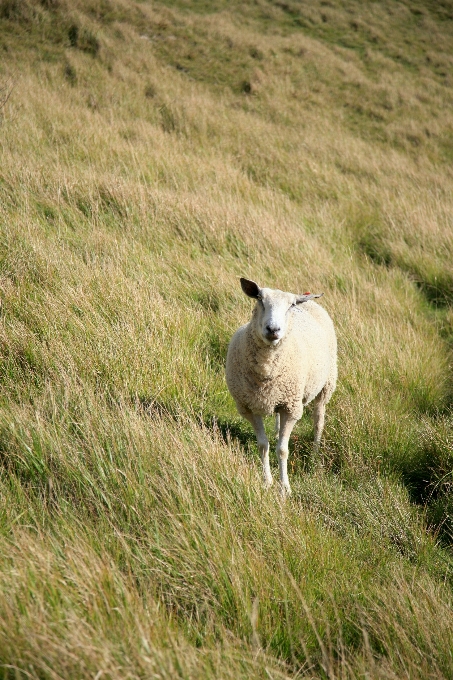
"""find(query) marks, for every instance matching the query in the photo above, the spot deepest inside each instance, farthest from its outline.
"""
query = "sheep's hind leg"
(263, 444)
(319, 413)
(286, 427)
(320, 404)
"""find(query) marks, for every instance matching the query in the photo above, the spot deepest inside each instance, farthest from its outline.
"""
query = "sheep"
(284, 358)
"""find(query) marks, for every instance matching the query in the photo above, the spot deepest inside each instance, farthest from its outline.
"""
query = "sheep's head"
(273, 310)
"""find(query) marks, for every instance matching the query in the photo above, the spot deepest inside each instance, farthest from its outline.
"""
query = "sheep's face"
(273, 310)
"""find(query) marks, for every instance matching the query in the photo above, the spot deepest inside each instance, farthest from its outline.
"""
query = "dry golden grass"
(150, 155)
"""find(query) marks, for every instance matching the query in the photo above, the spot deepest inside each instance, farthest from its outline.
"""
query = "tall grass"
(150, 155)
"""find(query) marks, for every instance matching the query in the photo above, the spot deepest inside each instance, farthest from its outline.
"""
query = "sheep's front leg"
(263, 444)
(286, 427)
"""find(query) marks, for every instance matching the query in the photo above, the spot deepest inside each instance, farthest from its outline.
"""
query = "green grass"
(152, 153)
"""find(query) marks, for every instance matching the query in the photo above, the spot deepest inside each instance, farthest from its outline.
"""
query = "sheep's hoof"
(285, 490)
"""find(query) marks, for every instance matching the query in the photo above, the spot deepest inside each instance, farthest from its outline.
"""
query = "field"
(151, 153)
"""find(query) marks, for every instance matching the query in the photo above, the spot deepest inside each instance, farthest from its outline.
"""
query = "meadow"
(151, 153)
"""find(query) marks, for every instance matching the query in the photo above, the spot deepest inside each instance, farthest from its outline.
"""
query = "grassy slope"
(151, 154)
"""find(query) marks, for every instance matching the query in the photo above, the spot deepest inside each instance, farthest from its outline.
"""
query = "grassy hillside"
(152, 153)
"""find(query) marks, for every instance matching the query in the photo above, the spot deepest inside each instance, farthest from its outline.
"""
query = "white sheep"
(285, 357)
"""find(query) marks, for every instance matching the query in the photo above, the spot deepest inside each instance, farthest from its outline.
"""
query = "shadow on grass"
(157, 408)
(435, 284)
(428, 475)
(437, 289)
(231, 430)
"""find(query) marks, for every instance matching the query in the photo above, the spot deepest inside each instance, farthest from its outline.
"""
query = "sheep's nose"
(272, 330)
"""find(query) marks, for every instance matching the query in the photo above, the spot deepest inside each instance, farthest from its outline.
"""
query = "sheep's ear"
(307, 296)
(250, 288)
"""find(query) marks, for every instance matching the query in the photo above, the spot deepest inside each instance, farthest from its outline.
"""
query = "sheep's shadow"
(231, 430)
(302, 458)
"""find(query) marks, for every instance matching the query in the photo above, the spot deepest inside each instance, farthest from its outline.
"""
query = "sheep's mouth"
(273, 338)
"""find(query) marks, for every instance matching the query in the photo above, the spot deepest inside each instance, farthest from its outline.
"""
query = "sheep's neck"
(265, 359)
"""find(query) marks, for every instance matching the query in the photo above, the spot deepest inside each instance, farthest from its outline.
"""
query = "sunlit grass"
(150, 155)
